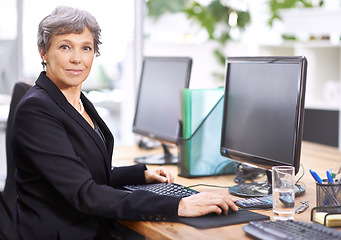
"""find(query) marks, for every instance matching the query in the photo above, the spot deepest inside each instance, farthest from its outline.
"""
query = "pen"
(315, 176)
(330, 178)
(319, 180)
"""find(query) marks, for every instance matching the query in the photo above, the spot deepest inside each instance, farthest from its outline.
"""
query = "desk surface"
(313, 156)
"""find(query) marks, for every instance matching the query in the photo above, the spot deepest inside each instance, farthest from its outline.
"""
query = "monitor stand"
(167, 158)
(260, 189)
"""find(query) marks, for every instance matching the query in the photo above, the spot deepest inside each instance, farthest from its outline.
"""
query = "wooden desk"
(313, 156)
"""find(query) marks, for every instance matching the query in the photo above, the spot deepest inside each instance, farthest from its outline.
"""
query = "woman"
(63, 149)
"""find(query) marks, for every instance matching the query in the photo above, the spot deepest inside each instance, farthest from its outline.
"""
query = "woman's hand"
(204, 203)
(159, 174)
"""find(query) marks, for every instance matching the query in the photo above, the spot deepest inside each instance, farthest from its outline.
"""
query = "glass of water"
(283, 192)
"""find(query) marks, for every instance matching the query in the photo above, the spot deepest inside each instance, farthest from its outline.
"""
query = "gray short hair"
(65, 20)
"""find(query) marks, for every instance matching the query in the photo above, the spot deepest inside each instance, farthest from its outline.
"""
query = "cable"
(301, 175)
(206, 185)
(218, 186)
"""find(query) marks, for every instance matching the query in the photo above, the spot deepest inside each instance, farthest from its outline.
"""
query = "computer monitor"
(263, 115)
(158, 106)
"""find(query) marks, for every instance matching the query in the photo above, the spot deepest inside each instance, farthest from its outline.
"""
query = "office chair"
(10, 190)
(8, 230)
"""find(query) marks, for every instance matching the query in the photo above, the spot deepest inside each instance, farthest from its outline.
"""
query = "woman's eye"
(87, 48)
(64, 47)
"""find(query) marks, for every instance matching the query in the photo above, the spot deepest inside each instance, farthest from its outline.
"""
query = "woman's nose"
(75, 57)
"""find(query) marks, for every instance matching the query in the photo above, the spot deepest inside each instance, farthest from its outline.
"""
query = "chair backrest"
(8, 230)
(10, 190)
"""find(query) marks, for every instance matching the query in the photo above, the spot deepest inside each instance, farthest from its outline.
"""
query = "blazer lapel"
(104, 128)
(45, 83)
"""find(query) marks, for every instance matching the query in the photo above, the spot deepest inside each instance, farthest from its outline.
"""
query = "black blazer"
(64, 177)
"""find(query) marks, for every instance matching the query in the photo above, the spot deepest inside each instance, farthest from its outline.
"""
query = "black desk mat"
(213, 220)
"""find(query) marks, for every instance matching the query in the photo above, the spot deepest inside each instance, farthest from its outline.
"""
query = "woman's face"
(69, 58)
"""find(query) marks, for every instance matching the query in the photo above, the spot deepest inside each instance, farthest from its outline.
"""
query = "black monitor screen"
(263, 110)
(158, 105)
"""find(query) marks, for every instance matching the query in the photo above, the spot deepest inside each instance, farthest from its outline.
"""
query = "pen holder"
(328, 194)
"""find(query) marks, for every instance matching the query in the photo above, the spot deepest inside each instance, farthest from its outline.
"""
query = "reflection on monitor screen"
(263, 114)
(158, 104)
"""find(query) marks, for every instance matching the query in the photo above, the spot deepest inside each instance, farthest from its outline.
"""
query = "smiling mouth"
(74, 71)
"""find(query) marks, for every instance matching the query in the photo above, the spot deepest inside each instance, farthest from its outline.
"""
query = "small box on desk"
(327, 216)
(199, 144)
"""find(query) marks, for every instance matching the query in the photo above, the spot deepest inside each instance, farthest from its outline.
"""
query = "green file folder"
(199, 144)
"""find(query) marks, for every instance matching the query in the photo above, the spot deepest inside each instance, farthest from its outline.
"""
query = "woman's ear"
(42, 55)
(43, 58)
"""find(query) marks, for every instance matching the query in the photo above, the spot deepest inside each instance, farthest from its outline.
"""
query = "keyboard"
(255, 202)
(166, 189)
(290, 229)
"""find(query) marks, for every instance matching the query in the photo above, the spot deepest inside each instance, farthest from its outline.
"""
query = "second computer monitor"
(158, 104)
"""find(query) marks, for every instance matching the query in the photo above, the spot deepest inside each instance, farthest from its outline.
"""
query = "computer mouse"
(287, 199)
(230, 211)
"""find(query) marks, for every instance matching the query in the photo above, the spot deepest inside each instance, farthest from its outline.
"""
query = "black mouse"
(230, 211)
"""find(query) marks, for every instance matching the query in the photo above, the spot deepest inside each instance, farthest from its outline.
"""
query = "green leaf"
(243, 19)
(219, 11)
(219, 56)
(224, 37)
(276, 5)
(157, 8)
(204, 17)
